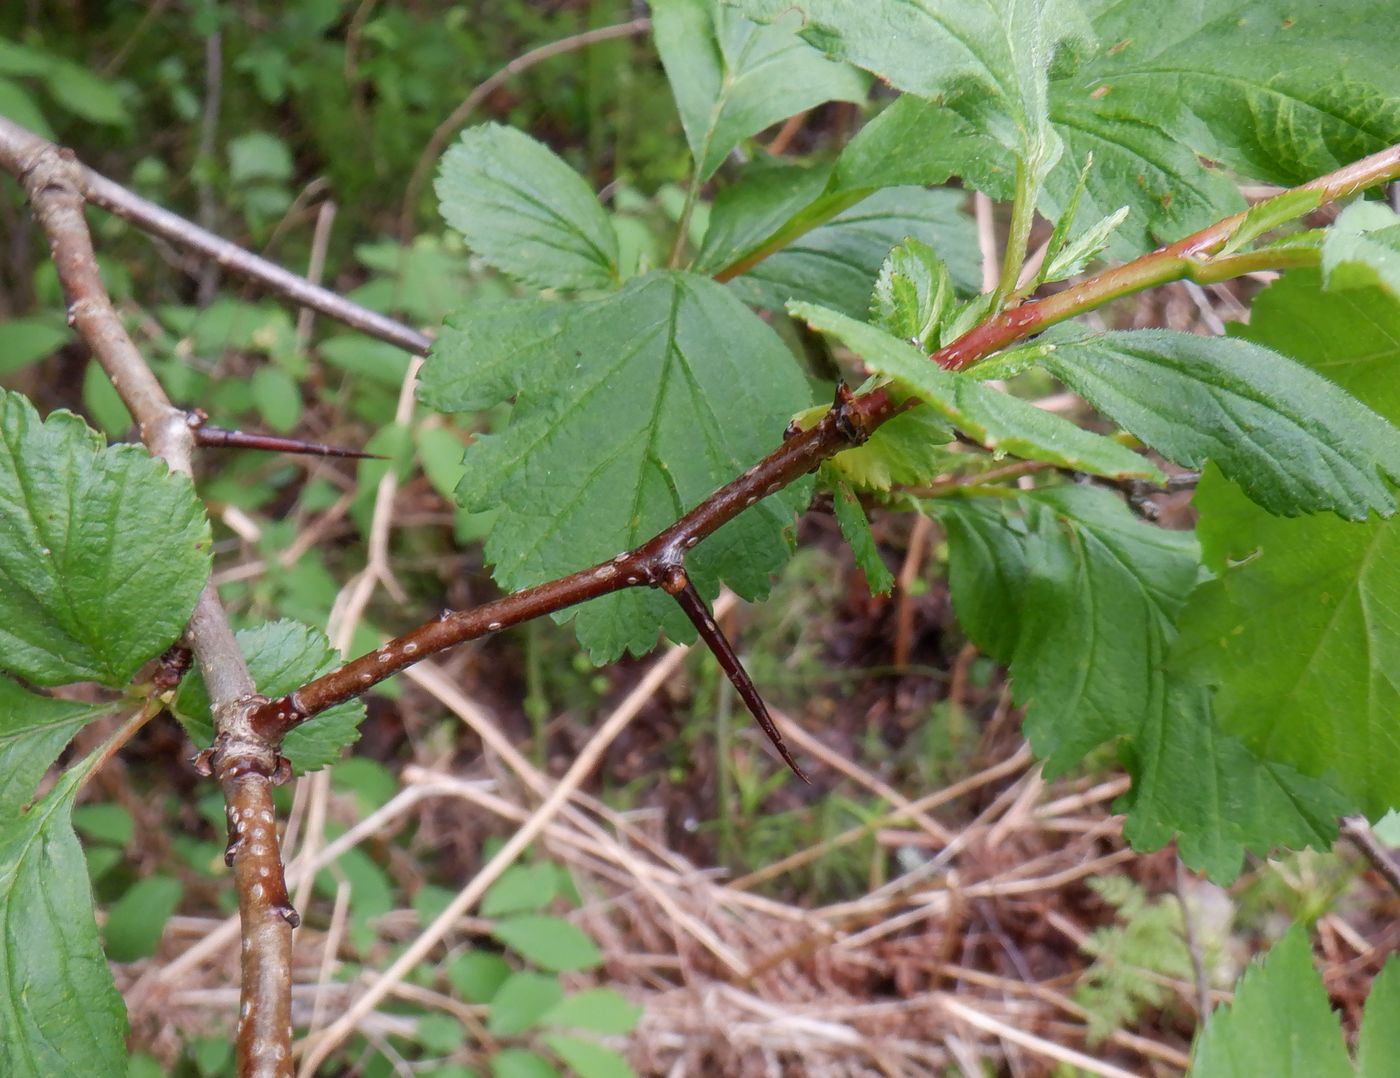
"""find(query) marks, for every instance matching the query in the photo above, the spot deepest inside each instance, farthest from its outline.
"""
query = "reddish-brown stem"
(683, 591)
(1185, 258)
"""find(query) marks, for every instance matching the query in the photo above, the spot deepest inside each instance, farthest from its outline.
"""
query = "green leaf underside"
(1002, 423)
(33, 731)
(1281, 1022)
(1296, 442)
(1299, 631)
(59, 1009)
(282, 656)
(834, 265)
(526, 212)
(732, 78)
(1079, 598)
(102, 551)
(855, 527)
(629, 411)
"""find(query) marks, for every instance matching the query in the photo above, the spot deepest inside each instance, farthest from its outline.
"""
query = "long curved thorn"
(220, 438)
(710, 632)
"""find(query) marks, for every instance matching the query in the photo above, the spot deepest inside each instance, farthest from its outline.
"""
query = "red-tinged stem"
(1184, 259)
(220, 438)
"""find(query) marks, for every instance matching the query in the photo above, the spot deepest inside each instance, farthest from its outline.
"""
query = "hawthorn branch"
(849, 422)
(246, 765)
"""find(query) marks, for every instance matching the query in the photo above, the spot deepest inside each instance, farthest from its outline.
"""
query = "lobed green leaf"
(526, 212)
(630, 411)
(102, 550)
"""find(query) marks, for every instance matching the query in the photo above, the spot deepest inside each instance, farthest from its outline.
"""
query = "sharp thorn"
(710, 632)
(220, 438)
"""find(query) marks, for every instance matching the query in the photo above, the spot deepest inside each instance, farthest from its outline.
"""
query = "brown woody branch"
(244, 763)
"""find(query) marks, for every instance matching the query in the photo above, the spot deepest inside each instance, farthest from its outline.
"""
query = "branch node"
(846, 423)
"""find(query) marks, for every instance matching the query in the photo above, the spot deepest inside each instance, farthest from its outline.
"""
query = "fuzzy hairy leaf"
(59, 1008)
(526, 212)
(1295, 441)
(1002, 423)
(835, 264)
(912, 294)
(282, 656)
(102, 550)
(1300, 631)
(630, 410)
(1281, 1022)
(732, 78)
(33, 731)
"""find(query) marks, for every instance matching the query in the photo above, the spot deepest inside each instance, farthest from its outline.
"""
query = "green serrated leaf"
(136, 921)
(636, 408)
(103, 551)
(1272, 90)
(551, 943)
(521, 1001)
(905, 450)
(1378, 1046)
(1296, 442)
(597, 1010)
(1193, 780)
(526, 212)
(1280, 1024)
(1270, 214)
(59, 1008)
(1362, 249)
(1002, 423)
(33, 731)
(1085, 247)
(835, 264)
(588, 1059)
(1081, 601)
(282, 656)
(732, 78)
(855, 527)
(1299, 630)
(912, 294)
